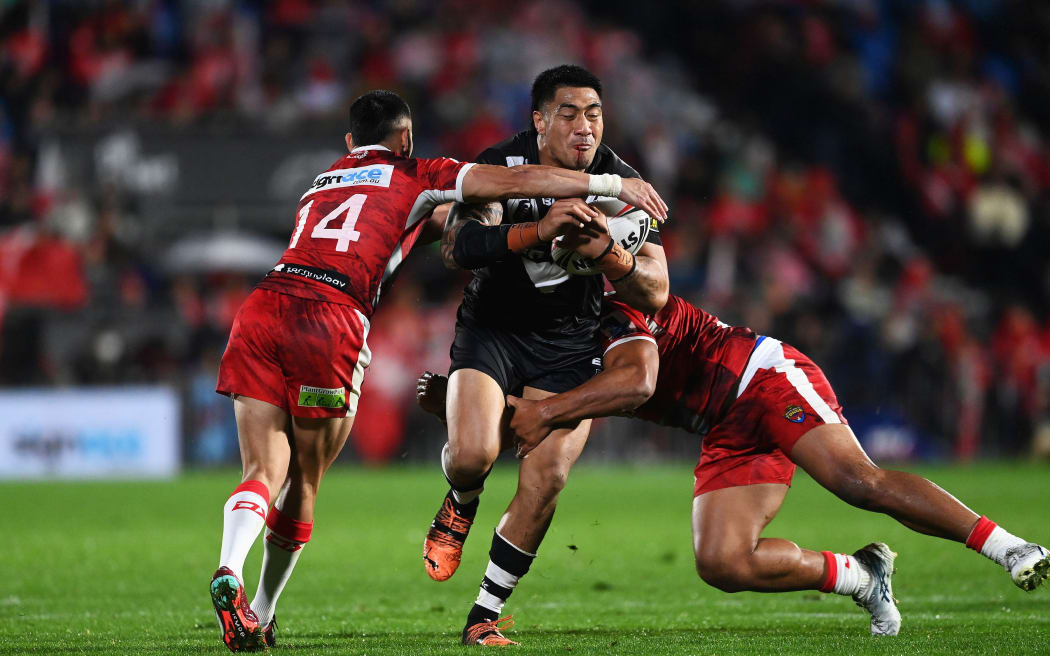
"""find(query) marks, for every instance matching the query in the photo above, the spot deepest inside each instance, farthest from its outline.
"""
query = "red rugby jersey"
(701, 360)
(358, 221)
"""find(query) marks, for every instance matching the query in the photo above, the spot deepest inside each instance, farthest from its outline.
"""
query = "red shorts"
(303, 355)
(784, 396)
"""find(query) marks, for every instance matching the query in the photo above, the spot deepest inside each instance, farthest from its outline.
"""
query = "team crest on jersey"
(321, 397)
(795, 414)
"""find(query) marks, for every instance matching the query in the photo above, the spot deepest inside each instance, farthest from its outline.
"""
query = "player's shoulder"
(607, 161)
(513, 151)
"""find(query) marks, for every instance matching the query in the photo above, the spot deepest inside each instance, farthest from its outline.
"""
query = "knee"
(269, 474)
(469, 462)
(548, 481)
(727, 572)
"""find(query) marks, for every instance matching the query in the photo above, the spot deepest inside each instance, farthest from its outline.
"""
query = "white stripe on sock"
(490, 601)
(500, 576)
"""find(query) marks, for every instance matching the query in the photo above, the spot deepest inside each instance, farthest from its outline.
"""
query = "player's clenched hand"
(591, 240)
(638, 192)
(430, 393)
(564, 214)
(527, 424)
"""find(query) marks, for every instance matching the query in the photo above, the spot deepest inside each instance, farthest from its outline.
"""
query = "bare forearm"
(529, 181)
(646, 288)
(609, 393)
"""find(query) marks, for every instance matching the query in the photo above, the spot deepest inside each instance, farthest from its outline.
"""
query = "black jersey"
(527, 293)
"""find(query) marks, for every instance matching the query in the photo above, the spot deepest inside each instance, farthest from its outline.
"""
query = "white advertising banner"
(127, 432)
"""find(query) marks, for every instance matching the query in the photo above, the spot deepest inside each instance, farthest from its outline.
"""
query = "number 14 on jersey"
(343, 234)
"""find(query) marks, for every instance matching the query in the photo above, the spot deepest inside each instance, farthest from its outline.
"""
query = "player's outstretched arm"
(628, 380)
(485, 182)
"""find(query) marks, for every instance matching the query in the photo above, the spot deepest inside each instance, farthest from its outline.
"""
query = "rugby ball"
(628, 225)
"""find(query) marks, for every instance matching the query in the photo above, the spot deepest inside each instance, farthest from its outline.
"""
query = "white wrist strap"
(606, 184)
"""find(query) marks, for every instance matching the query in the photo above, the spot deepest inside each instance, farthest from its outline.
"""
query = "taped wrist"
(616, 263)
(480, 245)
(605, 184)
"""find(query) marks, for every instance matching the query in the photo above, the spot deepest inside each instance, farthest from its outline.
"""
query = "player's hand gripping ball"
(628, 226)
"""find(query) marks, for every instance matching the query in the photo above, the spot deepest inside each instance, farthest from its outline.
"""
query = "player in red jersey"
(297, 350)
(762, 408)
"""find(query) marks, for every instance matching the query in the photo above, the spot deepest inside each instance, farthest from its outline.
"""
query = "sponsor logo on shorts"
(378, 175)
(795, 413)
(321, 397)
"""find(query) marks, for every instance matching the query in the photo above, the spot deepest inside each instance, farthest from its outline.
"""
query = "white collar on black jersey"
(372, 147)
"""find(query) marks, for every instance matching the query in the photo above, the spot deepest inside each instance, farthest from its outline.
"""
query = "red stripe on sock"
(253, 486)
(833, 572)
(288, 528)
(981, 530)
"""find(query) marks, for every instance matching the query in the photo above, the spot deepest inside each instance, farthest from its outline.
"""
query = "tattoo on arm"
(647, 282)
(488, 214)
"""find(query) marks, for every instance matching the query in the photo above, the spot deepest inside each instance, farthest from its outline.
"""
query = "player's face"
(571, 127)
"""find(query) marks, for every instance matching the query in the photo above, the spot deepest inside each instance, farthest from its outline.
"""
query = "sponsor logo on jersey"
(321, 397)
(378, 175)
(795, 414)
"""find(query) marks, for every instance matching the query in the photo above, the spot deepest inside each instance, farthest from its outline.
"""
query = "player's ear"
(539, 122)
(349, 141)
(406, 142)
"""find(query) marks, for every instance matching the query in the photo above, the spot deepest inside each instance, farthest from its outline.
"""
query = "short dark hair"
(375, 115)
(549, 81)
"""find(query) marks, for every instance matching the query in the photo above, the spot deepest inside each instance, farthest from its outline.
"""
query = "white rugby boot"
(1028, 564)
(877, 596)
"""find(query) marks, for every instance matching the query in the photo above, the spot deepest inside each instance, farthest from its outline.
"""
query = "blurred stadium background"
(867, 180)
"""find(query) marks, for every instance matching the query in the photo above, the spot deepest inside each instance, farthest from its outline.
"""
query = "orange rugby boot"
(489, 634)
(443, 547)
(238, 623)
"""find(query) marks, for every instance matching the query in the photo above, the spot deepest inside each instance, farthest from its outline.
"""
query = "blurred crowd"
(866, 180)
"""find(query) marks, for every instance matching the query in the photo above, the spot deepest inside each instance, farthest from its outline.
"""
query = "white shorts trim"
(624, 340)
(364, 358)
(770, 355)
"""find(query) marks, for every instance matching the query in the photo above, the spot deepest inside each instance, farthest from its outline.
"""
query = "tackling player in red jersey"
(762, 408)
(297, 351)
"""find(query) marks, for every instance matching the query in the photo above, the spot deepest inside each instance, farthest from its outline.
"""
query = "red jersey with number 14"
(701, 360)
(358, 221)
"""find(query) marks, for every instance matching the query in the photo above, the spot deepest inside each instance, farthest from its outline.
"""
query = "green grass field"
(123, 568)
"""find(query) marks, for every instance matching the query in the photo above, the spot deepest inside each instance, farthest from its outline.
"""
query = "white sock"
(285, 538)
(992, 541)
(846, 576)
(998, 543)
(243, 517)
(461, 497)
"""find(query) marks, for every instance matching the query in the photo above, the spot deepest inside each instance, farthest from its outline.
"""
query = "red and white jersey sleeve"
(444, 176)
(357, 221)
(620, 324)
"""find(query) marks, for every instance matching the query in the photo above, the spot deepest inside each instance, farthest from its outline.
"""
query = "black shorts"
(515, 360)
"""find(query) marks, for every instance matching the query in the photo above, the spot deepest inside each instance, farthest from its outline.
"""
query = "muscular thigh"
(474, 407)
(731, 519)
(550, 462)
